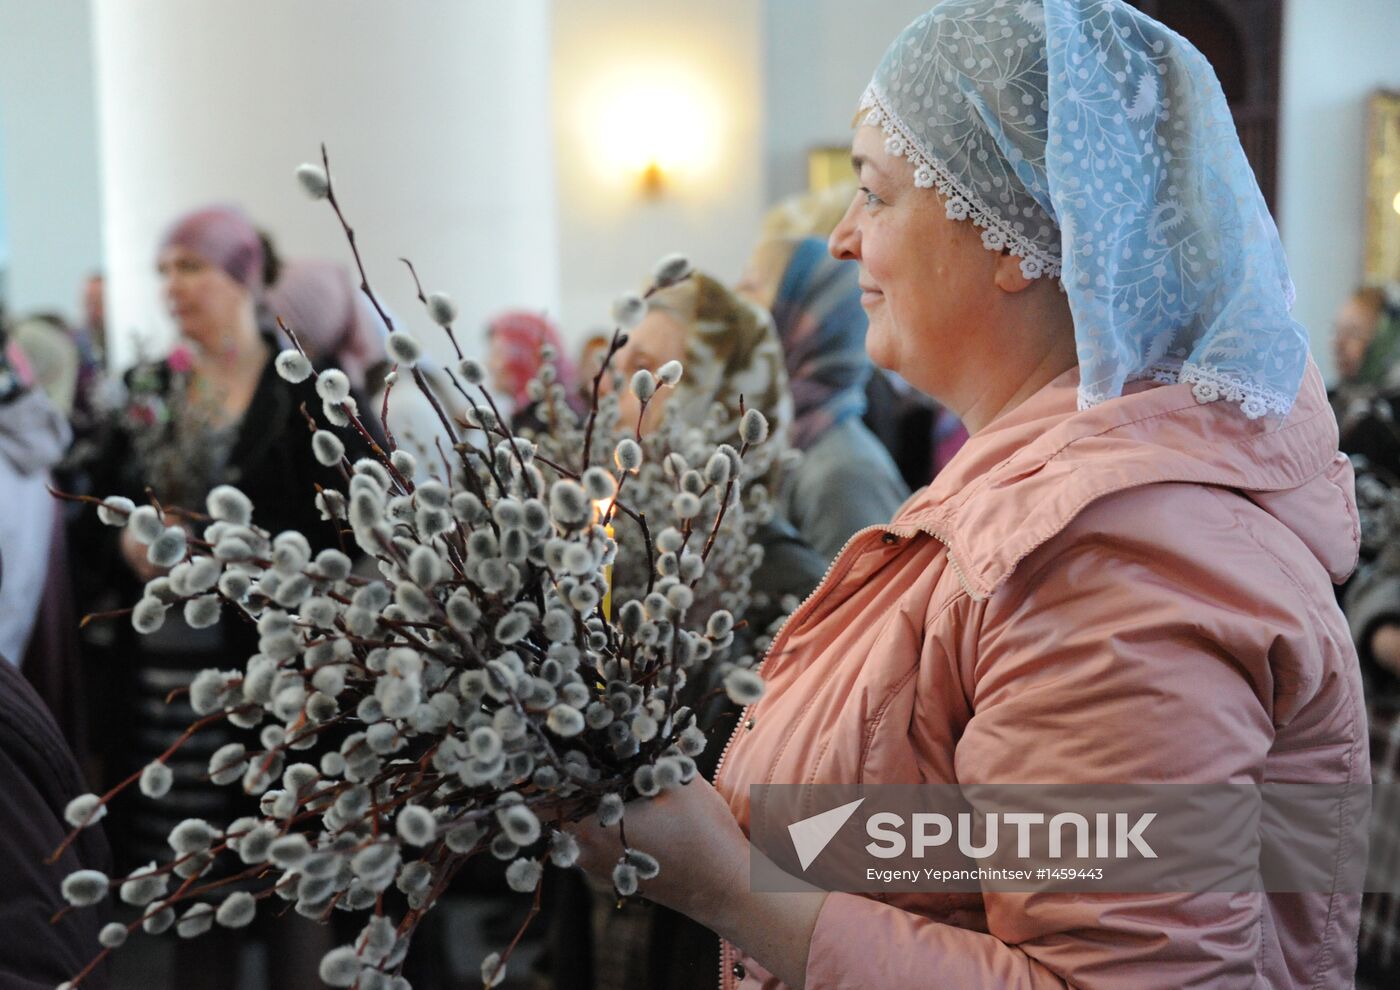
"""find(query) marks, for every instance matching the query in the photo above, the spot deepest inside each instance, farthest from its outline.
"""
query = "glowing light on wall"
(653, 126)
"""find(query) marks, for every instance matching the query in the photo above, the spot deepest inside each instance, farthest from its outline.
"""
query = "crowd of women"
(1125, 559)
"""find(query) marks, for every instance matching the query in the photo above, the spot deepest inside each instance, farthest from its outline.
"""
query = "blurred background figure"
(38, 774)
(33, 438)
(215, 411)
(814, 213)
(38, 622)
(338, 327)
(95, 395)
(919, 434)
(93, 330)
(1366, 349)
(846, 479)
(591, 355)
(53, 355)
(331, 319)
(513, 342)
(730, 350)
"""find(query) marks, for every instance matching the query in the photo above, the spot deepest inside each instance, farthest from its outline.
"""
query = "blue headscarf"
(1096, 145)
(822, 328)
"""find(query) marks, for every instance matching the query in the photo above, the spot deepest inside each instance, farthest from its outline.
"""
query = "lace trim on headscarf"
(1207, 385)
(960, 202)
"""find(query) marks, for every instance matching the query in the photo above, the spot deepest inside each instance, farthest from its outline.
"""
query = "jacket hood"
(1026, 476)
(33, 434)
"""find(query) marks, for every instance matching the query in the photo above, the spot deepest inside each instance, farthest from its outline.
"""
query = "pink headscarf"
(329, 315)
(223, 236)
(520, 333)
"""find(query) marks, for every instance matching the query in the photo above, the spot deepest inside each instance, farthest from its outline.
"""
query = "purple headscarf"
(329, 315)
(225, 237)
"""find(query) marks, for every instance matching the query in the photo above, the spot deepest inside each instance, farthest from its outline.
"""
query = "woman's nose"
(844, 244)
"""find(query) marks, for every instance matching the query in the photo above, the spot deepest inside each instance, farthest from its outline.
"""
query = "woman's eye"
(871, 199)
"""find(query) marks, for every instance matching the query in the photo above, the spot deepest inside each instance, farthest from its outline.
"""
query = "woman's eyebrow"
(859, 162)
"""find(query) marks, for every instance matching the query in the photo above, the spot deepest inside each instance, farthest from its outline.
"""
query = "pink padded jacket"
(1138, 592)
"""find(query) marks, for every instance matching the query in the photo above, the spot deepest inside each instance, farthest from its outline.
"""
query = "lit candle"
(603, 510)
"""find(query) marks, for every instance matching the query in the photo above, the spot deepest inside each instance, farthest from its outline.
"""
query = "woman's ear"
(1008, 276)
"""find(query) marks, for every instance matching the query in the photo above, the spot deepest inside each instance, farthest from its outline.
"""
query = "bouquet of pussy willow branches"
(489, 687)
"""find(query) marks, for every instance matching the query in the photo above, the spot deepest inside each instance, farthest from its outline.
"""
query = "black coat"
(38, 777)
(272, 463)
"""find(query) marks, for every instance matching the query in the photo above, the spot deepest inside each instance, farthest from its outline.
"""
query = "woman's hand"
(704, 874)
(692, 834)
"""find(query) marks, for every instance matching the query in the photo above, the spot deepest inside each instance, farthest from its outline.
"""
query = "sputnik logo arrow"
(811, 835)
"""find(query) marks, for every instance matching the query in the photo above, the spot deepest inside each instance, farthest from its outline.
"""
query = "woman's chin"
(881, 354)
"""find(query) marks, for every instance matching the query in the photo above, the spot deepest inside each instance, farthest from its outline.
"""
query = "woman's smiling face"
(927, 280)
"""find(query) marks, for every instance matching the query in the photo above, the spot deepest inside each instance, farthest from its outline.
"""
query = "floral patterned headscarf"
(1095, 144)
(731, 352)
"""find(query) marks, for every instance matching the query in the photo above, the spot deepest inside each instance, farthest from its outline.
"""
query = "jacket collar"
(1026, 476)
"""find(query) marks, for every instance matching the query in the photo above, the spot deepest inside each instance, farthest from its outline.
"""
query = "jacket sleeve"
(1105, 663)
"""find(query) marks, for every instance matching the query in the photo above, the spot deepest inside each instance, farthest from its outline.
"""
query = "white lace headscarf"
(1095, 144)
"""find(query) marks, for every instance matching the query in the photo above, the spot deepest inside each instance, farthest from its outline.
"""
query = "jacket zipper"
(902, 533)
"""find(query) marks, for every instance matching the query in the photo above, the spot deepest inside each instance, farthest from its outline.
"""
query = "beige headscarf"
(732, 351)
(50, 351)
(810, 214)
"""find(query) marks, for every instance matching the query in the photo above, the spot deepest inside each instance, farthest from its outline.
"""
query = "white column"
(436, 114)
(48, 152)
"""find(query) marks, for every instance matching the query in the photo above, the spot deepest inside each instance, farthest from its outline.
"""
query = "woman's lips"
(869, 296)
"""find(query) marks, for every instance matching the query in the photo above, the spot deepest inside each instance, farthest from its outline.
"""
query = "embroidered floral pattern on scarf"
(733, 359)
(1096, 145)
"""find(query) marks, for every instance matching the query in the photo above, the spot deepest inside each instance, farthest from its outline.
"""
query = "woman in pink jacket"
(1126, 574)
